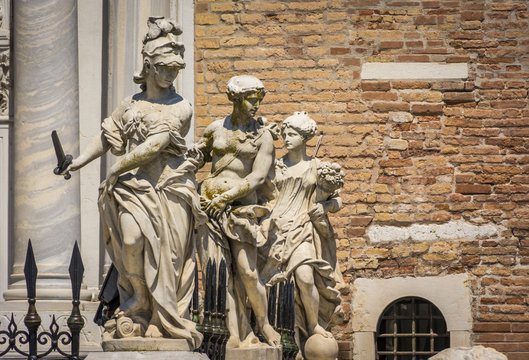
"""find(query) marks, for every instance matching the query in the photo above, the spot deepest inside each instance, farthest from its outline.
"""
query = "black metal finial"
(195, 289)
(205, 327)
(224, 333)
(272, 305)
(76, 271)
(30, 271)
(221, 294)
(207, 303)
(214, 287)
(290, 304)
(76, 321)
(280, 306)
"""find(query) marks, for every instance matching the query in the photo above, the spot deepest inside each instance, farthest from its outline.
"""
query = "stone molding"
(413, 71)
(452, 230)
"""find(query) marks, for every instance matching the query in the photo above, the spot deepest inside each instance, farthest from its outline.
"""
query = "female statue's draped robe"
(289, 226)
(164, 205)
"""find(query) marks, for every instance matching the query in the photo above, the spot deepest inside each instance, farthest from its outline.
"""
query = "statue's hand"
(216, 206)
(74, 166)
(195, 155)
(317, 211)
(277, 278)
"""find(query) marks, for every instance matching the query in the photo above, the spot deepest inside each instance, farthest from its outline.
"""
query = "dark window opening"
(411, 328)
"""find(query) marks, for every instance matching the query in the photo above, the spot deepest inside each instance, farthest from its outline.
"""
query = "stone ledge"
(256, 353)
(142, 344)
(413, 71)
(150, 355)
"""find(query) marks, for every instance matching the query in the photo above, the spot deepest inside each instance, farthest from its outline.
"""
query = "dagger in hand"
(63, 161)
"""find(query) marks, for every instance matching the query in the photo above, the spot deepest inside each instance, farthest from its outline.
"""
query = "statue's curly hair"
(240, 86)
(302, 123)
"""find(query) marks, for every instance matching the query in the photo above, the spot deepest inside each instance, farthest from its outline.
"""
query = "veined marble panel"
(4, 206)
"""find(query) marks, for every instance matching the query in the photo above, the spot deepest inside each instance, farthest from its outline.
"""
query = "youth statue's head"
(297, 129)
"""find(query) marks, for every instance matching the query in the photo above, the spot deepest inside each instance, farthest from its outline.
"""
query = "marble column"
(45, 98)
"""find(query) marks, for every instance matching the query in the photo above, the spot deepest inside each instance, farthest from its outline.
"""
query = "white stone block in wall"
(453, 230)
(413, 71)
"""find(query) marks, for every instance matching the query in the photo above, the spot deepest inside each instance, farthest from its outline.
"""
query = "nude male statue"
(242, 153)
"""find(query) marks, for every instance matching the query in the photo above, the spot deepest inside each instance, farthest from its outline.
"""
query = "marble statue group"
(266, 217)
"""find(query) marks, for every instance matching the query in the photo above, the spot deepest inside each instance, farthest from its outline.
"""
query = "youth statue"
(300, 241)
(148, 203)
(241, 150)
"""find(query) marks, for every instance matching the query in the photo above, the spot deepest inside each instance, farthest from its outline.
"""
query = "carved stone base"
(144, 344)
(151, 355)
(256, 353)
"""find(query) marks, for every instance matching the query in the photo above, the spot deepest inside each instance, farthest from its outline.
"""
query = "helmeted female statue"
(148, 202)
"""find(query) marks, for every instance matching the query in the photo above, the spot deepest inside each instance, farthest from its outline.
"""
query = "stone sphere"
(319, 347)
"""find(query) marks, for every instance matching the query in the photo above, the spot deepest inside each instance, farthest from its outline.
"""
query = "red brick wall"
(461, 151)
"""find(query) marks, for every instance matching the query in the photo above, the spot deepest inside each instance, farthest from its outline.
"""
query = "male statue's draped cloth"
(237, 223)
(167, 210)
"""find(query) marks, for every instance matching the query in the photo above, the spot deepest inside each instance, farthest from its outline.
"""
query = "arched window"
(411, 328)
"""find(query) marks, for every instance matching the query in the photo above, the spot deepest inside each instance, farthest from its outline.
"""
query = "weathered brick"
(206, 43)
(379, 95)
(206, 19)
(440, 257)
(391, 44)
(305, 29)
(375, 85)
(396, 163)
(307, 5)
(473, 188)
(273, 7)
(390, 106)
(250, 18)
(239, 40)
(426, 20)
(427, 109)
(458, 97)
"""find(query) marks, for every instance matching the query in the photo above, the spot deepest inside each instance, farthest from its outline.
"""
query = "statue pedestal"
(147, 355)
(142, 344)
(254, 353)
(160, 352)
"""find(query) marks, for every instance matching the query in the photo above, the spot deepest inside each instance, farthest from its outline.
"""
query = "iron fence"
(213, 326)
(281, 315)
(53, 339)
(34, 345)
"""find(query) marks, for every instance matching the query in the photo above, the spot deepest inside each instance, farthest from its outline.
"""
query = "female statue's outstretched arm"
(97, 147)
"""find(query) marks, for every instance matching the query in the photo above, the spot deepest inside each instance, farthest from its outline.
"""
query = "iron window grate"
(411, 328)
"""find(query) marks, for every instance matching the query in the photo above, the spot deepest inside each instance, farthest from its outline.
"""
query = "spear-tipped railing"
(213, 326)
(52, 339)
(281, 315)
